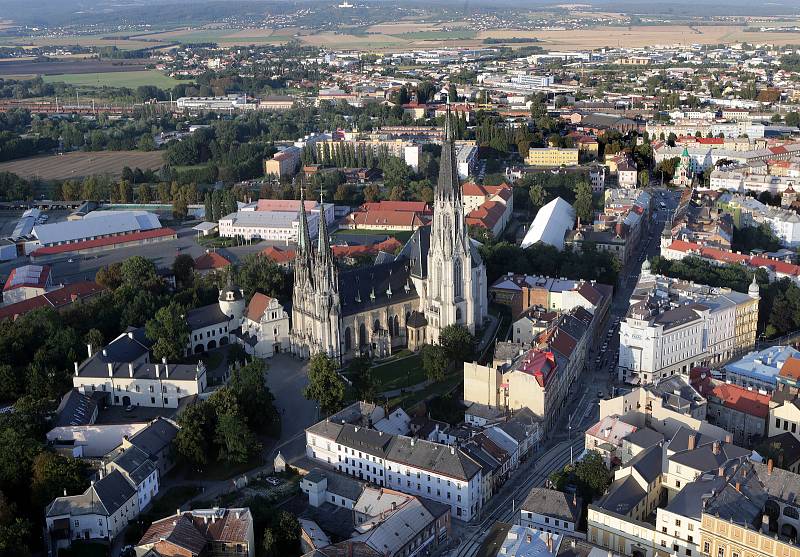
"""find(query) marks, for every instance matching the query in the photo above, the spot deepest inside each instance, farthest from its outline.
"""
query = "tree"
(592, 475)
(94, 338)
(255, 399)
(538, 197)
(434, 361)
(110, 277)
(287, 530)
(395, 173)
(193, 441)
(360, 370)
(793, 119)
(236, 441)
(583, 202)
(324, 384)
(170, 332)
(183, 268)
(53, 474)
(258, 273)
(372, 193)
(458, 343)
(268, 543)
(452, 93)
(138, 271)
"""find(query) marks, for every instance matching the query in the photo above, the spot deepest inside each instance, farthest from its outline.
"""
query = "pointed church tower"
(455, 291)
(326, 289)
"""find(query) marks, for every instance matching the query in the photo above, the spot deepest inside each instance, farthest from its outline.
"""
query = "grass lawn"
(399, 373)
(409, 400)
(115, 79)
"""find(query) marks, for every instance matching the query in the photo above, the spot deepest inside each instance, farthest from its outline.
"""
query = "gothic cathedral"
(437, 279)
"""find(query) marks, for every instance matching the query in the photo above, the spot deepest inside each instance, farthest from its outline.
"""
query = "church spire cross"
(303, 237)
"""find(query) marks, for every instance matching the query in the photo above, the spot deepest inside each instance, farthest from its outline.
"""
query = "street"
(581, 410)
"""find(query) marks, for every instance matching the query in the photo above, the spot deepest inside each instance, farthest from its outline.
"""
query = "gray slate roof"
(648, 463)
(555, 504)
(135, 463)
(623, 495)
(434, 457)
(362, 439)
(156, 437)
(105, 497)
(206, 316)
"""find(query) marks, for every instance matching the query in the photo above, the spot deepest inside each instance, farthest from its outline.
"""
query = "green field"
(115, 79)
(399, 373)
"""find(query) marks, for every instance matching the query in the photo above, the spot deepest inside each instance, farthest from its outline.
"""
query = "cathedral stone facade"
(437, 279)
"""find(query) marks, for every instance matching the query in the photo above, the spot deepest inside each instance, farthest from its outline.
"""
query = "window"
(688, 552)
(706, 548)
(689, 539)
(678, 523)
(721, 552)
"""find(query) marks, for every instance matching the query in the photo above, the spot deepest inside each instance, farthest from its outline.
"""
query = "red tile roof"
(278, 255)
(403, 206)
(258, 304)
(487, 215)
(109, 241)
(385, 218)
(389, 245)
(539, 364)
(209, 261)
(791, 368)
(735, 397)
(55, 299)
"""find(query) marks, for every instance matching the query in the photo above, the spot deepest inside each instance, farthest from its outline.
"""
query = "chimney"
(528, 538)
(729, 438)
(110, 369)
(549, 542)
(769, 467)
(178, 512)
(765, 523)
(739, 487)
(163, 361)
(104, 352)
(76, 369)
(65, 492)
(412, 441)
(166, 370)
(452, 450)
(130, 369)
(130, 335)
(721, 471)
(89, 348)
(715, 447)
(158, 371)
(692, 441)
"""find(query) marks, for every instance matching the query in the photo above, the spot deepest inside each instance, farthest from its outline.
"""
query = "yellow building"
(552, 156)
(754, 514)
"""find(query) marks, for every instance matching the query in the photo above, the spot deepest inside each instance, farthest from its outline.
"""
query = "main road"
(581, 410)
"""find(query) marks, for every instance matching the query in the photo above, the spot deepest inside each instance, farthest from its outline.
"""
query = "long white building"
(418, 467)
(276, 220)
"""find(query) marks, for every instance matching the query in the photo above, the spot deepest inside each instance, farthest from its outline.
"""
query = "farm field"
(223, 37)
(115, 79)
(639, 36)
(83, 40)
(80, 164)
(67, 66)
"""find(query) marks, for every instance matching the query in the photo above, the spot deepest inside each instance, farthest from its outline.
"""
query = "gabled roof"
(258, 304)
(209, 261)
(435, 457)
(28, 276)
(554, 504)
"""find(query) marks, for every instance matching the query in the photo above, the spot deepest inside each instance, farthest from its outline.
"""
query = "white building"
(100, 513)
(125, 371)
(265, 327)
(660, 337)
(95, 225)
(551, 511)
(213, 325)
(423, 468)
(276, 220)
(228, 103)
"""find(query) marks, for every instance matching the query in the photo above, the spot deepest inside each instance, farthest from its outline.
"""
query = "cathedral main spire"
(323, 242)
(303, 236)
(447, 186)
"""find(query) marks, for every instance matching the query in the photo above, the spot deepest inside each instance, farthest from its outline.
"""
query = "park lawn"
(115, 79)
(409, 400)
(399, 373)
